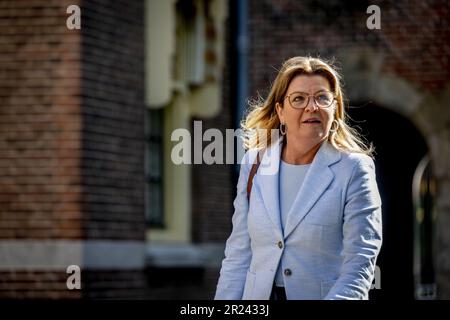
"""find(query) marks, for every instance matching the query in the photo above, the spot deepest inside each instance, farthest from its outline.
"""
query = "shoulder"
(355, 165)
(357, 160)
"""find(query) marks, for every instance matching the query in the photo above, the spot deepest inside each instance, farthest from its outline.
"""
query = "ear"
(280, 112)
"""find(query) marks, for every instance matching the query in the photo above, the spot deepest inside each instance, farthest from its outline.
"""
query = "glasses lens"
(324, 99)
(298, 100)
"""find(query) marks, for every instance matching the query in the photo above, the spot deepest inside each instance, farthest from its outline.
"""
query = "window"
(154, 167)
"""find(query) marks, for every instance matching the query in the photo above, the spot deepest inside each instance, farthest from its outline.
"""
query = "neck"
(300, 152)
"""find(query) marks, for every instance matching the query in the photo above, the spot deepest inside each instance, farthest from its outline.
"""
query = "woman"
(311, 228)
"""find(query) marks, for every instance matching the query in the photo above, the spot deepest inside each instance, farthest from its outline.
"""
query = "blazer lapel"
(316, 181)
(267, 181)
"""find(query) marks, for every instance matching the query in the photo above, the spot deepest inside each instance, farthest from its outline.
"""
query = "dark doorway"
(399, 148)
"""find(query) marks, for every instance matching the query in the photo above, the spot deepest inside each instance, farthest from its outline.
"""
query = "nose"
(311, 106)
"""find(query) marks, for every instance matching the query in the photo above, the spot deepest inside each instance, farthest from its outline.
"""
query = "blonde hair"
(262, 113)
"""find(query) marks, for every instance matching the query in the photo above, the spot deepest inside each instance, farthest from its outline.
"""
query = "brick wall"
(413, 36)
(40, 122)
(182, 283)
(213, 191)
(71, 137)
(28, 284)
(112, 166)
(104, 284)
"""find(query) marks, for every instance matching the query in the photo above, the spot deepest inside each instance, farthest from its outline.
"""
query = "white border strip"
(185, 255)
(59, 254)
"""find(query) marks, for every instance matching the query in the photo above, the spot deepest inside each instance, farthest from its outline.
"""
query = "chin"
(310, 137)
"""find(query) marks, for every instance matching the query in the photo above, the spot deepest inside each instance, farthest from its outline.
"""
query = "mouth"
(312, 121)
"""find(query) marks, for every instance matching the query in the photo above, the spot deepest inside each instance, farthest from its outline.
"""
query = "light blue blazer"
(332, 235)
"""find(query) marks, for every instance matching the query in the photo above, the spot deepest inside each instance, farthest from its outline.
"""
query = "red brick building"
(86, 118)
(85, 122)
(71, 110)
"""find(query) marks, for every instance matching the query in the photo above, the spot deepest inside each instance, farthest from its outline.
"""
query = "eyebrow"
(308, 93)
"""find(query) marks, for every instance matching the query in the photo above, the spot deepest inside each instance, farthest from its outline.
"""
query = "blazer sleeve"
(362, 233)
(238, 255)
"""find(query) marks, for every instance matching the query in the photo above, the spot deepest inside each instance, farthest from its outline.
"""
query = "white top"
(291, 177)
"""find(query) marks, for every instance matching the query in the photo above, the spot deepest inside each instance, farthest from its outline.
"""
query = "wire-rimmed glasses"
(299, 100)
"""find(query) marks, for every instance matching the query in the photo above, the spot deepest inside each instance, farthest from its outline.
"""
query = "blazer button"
(287, 272)
(280, 244)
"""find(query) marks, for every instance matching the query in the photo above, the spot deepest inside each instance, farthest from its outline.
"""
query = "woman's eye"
(298, 99)
(323, 98)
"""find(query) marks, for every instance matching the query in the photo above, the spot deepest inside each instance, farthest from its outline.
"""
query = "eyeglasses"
(299, 100)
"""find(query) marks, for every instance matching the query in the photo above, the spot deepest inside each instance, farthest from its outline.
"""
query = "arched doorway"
(424, 191)
(399, 149)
